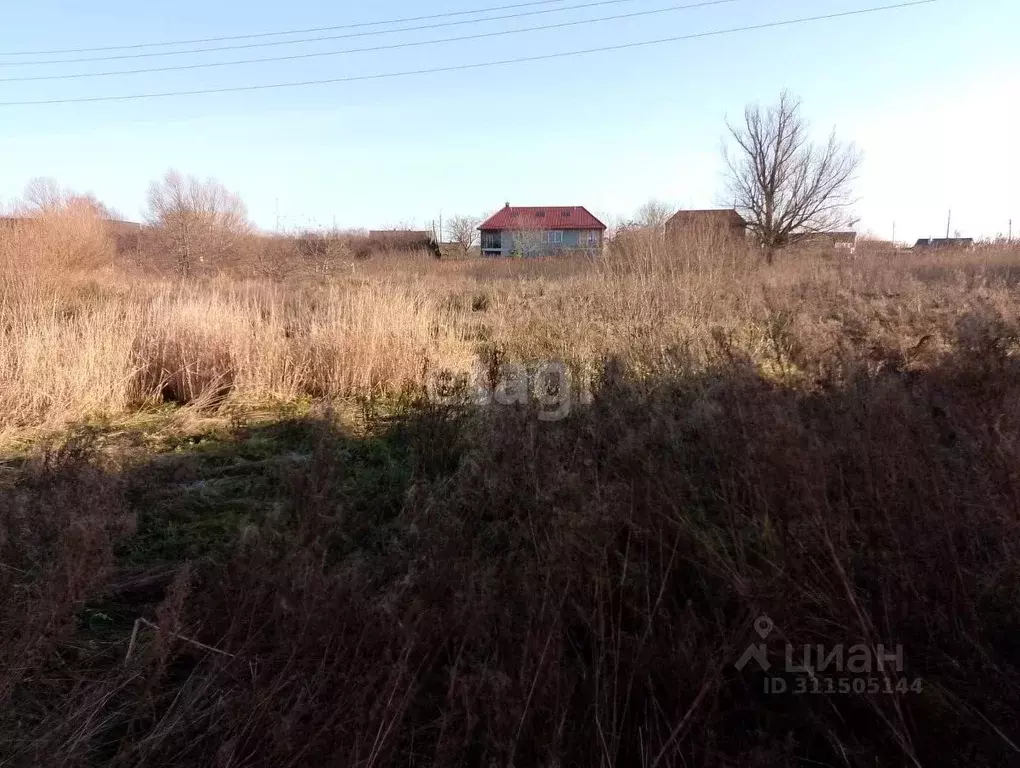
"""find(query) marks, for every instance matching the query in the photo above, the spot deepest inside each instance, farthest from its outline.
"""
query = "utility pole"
(894, 234)
(1010, 240)
(949, 220)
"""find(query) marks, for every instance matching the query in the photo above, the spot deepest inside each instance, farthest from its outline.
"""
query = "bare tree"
(42, 195)
(527, 243)
(781, 182)
(327, 249)
(199, 220)
(653, 216)
(463, 230)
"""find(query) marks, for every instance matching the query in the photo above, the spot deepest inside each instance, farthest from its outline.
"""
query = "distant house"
(401, 238)
(943, 243)
(839, 241)
(538, 231)
(116, 224)
(126, 234)
(13, 221)
(718, 222)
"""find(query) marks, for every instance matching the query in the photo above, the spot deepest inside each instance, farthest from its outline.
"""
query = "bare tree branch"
(200, 219)
(781, 182)
(527, 243)
(653, 215)
(463, 230)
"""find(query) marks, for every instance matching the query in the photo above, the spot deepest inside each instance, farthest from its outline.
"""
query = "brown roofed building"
(401, 236)
(723, 223)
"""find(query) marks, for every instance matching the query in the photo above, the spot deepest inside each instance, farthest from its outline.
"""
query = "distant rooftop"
(540, 218)
(944, 242)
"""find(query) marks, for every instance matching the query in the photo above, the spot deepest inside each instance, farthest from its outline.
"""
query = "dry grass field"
(260, 522)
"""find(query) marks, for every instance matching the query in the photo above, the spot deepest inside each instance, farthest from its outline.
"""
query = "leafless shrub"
(200, 222)
(328, 251)
(59, 233)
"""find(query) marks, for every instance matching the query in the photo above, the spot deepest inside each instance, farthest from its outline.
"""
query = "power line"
(389, 47)
(477, 65)
(308, 30)
(321, 38)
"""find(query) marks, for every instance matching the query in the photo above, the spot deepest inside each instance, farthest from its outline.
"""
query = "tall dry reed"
(80, 343)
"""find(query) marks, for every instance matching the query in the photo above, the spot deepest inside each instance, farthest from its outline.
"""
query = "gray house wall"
(572, 240)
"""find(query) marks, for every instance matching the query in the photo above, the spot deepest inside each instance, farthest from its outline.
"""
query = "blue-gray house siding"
(539, 243)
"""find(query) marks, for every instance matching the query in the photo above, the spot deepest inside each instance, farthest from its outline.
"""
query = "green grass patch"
(194, 500)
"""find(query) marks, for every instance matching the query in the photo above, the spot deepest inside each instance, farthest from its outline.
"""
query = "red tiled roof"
(555, 217)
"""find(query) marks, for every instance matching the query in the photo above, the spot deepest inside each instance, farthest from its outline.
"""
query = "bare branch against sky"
(782, 182)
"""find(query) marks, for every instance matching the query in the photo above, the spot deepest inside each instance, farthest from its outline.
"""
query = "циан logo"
(841, 668)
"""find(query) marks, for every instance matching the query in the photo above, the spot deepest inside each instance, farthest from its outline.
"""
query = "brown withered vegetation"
(831, 443)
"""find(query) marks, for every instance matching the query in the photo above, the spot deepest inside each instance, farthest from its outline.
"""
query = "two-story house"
(537, 231)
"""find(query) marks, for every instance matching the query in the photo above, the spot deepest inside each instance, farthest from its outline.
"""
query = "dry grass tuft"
(182, 367)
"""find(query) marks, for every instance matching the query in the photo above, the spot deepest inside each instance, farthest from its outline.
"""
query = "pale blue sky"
(931, 94)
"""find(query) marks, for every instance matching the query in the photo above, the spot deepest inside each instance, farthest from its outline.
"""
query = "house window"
(492, 241)
(593, 238)
(554, 237)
